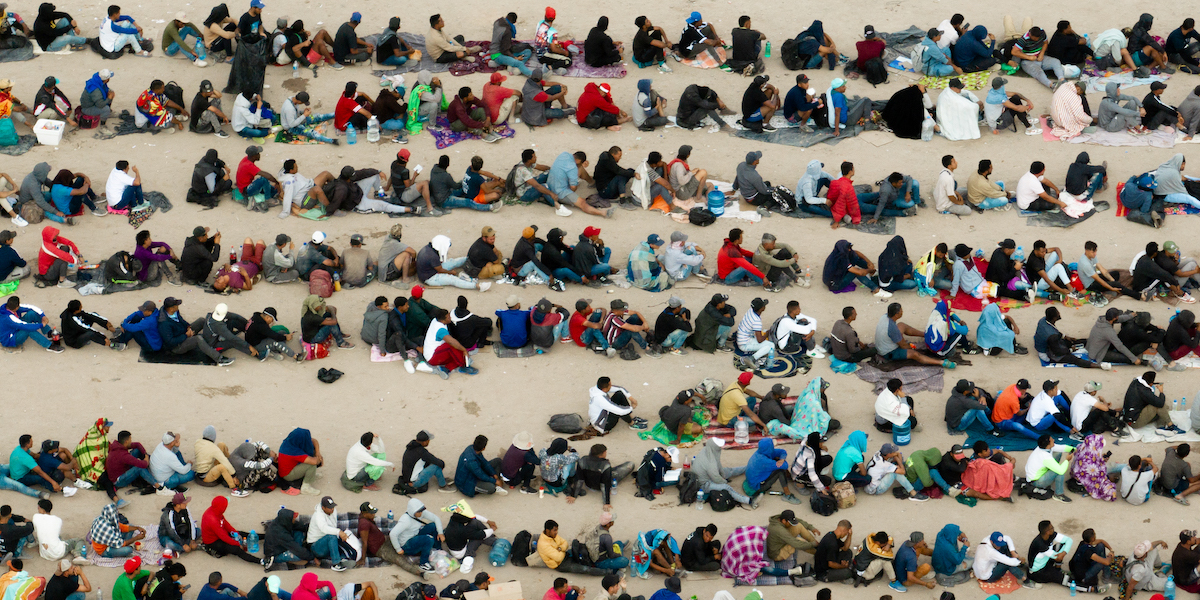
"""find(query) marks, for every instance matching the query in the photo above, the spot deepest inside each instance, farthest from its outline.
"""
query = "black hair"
(1088, 534)
(979, 447)
(603, 382)
(288, 165)
(25, 439)
(480, 443)
(894, 385)
(45, 504)
(443, 161)
(895, 177)
(1037, 167)
(351, 87)
(156, 84)
(1052, 314)
(1135, 461)
(526, 155)
(735, 234)
(368, 438)
(654, 157)
(824, 594)
(1044, 526)
(123, 436)
(122, 164)
(214, 578)
(847, 167)
(1183, 450)
(640, 21)
(792, 304)
(1038, 245)
(947, 159)
(742, 20)
(433, 19)
(549, 524)
(846, 312)
(957, 19)
(463, 92)
(512, 17)
(711, 529)
(614, 150)
(400, 301)
(476, 162)
(984, 165)
(581, 156)
(440, 314)
(13, 303)
(1189, 23)
(559, 582)
(597, 450)
(1045, 440)
(1090, 245)
(894, 309)
(942, 247)
(113, 9)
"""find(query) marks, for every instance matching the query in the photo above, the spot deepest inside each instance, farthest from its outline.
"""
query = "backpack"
(701, 216)
(567, 423)
(521, 548)
(721, 501)
(86, 121)
(875, 71)
(787, 53)
(320, 282)
(578, 553)
(784, 199)
(415, 591)
(32, 213)
(174, 93)
(689, 487)
(918, 57)
(822, 504)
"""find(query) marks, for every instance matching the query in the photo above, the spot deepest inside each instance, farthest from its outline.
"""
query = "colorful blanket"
(479, 65)
(726, 433)
(783, 366)
(445, 137)
(706, 60)
(972, 81)
(1006, 585)
(580, 68)
(150, 551)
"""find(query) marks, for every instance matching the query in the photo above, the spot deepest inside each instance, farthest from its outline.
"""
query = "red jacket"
(120, 460)
(50, 249)
(460, 110)
(309, 585)
(591, 99)
(213, 525)
(732, 256)
(841, 189)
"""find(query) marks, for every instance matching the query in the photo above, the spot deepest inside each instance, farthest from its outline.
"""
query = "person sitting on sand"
(891, 345)
(596, 109)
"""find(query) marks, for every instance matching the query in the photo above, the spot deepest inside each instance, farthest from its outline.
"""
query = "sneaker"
(1165, 431)
(485, 286)
(897, 587)
(467, 370)
(267, 563)
(790, 499)
(163, 490)
(400, 139)
(562, 211)
(100, 211)
(1031, 584)
(610, 352)
(1061, 498)
(652, 353)
(337, 567)
(225, 361)
(118, 346)
(678, 351)
(467, 564)
(336, 66)
(66, 283)
(1032, 293)
(1106, 366)
(55, 348)
(918, 497)
(528, 490)
(638, 426)
(663, 68)
(442, 372)
(883, 294)
(1033, 131)
(309, 490)
(19, 222)
(448, 489)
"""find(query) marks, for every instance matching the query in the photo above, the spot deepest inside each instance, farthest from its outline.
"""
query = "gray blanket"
(425, 64)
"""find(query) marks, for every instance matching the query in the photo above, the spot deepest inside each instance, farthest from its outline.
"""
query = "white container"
(48, 132)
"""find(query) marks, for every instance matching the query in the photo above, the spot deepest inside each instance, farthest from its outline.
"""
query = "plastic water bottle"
(614, 484)
(1019, 255)
(372, 130)
(1072, 587)
(699, 500)
(295, 69)
(1169, 588)
(768, 54)
(252, 545)
(927, 129)
(741, 432)
(351, 135)
(99, 594)
(390, 517)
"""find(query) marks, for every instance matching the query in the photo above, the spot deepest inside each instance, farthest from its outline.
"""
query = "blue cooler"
(716, 203)
(902, 434)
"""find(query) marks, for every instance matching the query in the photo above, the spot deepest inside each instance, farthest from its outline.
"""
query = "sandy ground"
(265, 401)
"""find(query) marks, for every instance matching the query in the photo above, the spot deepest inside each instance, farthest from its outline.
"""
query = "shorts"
(897, 354)
(554, 89)
(755, 116)
(1140, 58)
(309, 202)
(688, 190)
(390, 273)
(481, 197)
(409, 195)
(568, 197)
(314, 57)
(1179, 487)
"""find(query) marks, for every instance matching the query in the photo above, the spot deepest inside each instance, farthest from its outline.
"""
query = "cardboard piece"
(509, 590)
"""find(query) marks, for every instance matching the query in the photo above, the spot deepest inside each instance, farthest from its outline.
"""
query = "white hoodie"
(322, 524)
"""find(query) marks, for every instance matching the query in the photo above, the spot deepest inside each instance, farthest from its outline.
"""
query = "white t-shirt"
(878, 469)
(1041, 405)
(347, 592)
(949, 34)
(1081, 405)
(789, 326)
(1029, 187)
(1140, 482)
(944, 189)
(433, 338)
(118, 180)
(47, 529)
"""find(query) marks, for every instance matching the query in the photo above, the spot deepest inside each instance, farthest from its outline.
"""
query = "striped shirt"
(750, 324)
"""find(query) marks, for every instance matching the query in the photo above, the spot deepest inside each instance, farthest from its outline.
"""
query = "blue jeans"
(1182, 199)
(989, 203)
(887, 481)
(178, 479)
(593, 337)
(459, 202)
(127, 39)
(66, 39)
(252, 132)
(9, 484)
(260, 185)
(533, 194)
(1001, 568)
(133, 475)
(868, 201)
(529, 269)
(423, 543)
(1051, 478)
(627, 336)
(76, 596)
(675, 339)
(975, 416)
(937, 478)
(602, 268)
(132, 196)
(759, 350)
(328, 331)
(937, 70)
(327, 547)
(741, 273)
(430, 472)
(518, 62)
(394, 61)
(305, 129)
(1056, 271)
(1016, 426)
(1094, 185)
(723, 332)
(199, 49)
(37, 335)
(619, 562)
(566, 274)
(446, 279)
(849, 278)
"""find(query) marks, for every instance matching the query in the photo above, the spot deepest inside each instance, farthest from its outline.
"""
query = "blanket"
(1007, 585)
(972, 81)
(479, 65)
(1147, 434)
(445, 137)
(915, 378)
(972, 304)
(702, 416)
(989, 478)
(764, 579)
(792, 136)
(726, 433)
(580, 68)
(1009, 441)
(17, 54)
(1060, 219)
(706, 60)
(23, 145)
(150, 552)
(125, 126)
(1097, 82)
(195, 357)
(1101, 137)
(783, 366)
(425, 64)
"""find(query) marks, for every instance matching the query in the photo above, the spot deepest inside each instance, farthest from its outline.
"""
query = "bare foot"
(614, 128)
(835, 224)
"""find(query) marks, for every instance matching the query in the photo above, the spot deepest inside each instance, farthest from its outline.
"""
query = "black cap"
(1008, 244)
(253, 150)
(206, 87)
(759, 303)
(367, 507)
(1023, 384)
(270, 310)
(302, 97)
(52, 81)
(327, 502)
(962, 250)
(198, 231)
(424, 436)
(282, 239)
(617, 305)
(1048, 385)
(956, 449)
(356, 239)
(718, 298)
(802, 78)
(481, 577)
(674, 585)
(788, 516)
(963, 386)
(171, 301)
(1158, 85)
(869, 32)
(49, 445)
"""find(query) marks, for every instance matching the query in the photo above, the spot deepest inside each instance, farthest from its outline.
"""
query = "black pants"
(360, 55)
(1158, 118)
(610, 420)
(88, 336)
(1041, 205)
(524, 476)
(221, 44)
(1100, 421)
(693, 120)
(449, 57)
(1051, 573)
(779, 274)
(598, 119)
(1008, 119)
(861, 355)
(833, 575)
(777, 476)
(980, 64)
(1071, 359)
(1096, 287)
(222, 548)
(709, 563)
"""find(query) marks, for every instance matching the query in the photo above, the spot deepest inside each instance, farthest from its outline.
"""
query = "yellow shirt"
(553, 550)
(731, 404)
(209, 455)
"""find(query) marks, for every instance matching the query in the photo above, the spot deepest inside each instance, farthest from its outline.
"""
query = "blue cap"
(692, 18)
(654, 240)
(356, 17)
(257, 4)
(997, 538)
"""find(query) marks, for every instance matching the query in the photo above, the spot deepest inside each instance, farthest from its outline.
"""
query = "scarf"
(1091, 470)
(937, 328)
(298, 442)
(808, 417)
(893, 262)
(92, 452)
(106, 529)
(850, 454)
(312, 304)
(837, 263)
(993, 332)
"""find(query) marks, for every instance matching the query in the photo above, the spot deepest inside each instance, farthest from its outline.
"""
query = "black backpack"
(174, 93)
(701, 216)
(784, 199)
(567, 423)
(416, 591)
(875, 71)
(521, 548)
(689, 487)
(822, 504)
(791, 60)
(721, 501)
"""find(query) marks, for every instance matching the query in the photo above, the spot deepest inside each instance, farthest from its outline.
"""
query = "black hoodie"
(526, 252)
(556, 254)
(461, 530)
(197, 259)
(413, 452)
(1079, 174)
(45, 26)
(280, 536)
(606, 170)
(1139, 36)
(584, 257)
(75, 327)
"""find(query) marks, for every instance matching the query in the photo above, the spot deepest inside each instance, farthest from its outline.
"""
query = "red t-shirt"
(493, 96)
(868, 49)
(246, 172)
(343, 110)
(577, 328)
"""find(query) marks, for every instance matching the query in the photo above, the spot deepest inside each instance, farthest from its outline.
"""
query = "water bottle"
(1072, 587)
(390, 517)
(614, 484)
(237, 538)
(699, 500)
(372, 130)
(351, 135)
(927, 129)
(99, 594)
(1019, 255)
(252, 546)
(768, 49)
(741, 432)
(295, 69)
(1169, 588)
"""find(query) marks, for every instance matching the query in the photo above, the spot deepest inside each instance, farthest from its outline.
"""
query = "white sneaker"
(1106, 366)
(424, 367)
(19, 222)
(200, 63)
(484, 286)
(164, 491)
(562, 211)
(1034, 131)
(467, 563)
(408, 366)
(883, 294)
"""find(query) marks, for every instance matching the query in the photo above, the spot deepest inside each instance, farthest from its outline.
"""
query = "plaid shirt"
(742, 556)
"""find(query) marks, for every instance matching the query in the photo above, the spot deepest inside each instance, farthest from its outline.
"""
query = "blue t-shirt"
(208, 593)
(514, 327)
(49, 462)
(839, 101)
(470, 184)
(904, 563)
(564, 173)
(60, 195)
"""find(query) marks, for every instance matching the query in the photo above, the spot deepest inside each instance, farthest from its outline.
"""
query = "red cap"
(550, 14)
(497, 77)
(745, 378)
(605, 89)
(589, 231)
(403, 154)
(132, 565)
(417, 291)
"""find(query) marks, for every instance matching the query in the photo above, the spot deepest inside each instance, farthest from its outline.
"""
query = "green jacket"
(918, 464)
(778, 536)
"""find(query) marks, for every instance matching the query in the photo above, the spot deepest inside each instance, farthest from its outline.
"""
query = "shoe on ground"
(790, 499)
(55, 347)
(467, 370)
(1181, 500)
(467, 564)
(448, 489)
(442, 372)
(1061, 498)
(221, 134)
(66, 283)
(338, 566)
(485, 286)
(1030, 584)
(163, 490)
(122, 503)
(19, 222)
(562, 211)
(896, 586)
(918, 497)
(239, 493)
(309, 490)
(118, 346)
(336, 66)
(225, 361)
(883, 294)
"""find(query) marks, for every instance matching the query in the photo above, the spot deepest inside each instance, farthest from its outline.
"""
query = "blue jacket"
(11, 323)
(173, 332)
(762, 463)
(148, 326)
(9, 260)
(472, 467)
(933, 55)
(972, 46)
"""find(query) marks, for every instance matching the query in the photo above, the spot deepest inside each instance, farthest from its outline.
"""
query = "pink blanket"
(987, 477)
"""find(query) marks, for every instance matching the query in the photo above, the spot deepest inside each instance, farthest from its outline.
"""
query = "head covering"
(947, 554)
(298, 443)
(210, 433)
(905, 112)
(893, 261)
(273, 584)
(497, 77)
(745, 377)
(707, 464)
(105, 530)
(694, 17)
(1168, 177)
(993, 332)
(441, 243)
(837, 264)
(312, 304)
(132, 565)
(937, 328)
(550, 13)
(850, 454)
(1091, 470)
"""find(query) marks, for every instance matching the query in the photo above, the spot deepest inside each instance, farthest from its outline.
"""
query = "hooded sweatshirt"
(1114, 115)
(1079, 174)
(1139, 36)
(280, 536)
(35, 185)
(374, 327)
(593, 99)
(1168, 177)
(309, 585)
(1190, 110)
(321, 524)
(1103, 337)
(707, 464)
(409, 525)
(762, 463)
(947, 554)
(51, 250)
(213, 525)
(972, 46)
(806, 188)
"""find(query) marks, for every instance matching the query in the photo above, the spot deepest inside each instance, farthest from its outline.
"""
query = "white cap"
(219, 312)
(105, 74)
(720, 442)
(318, 237)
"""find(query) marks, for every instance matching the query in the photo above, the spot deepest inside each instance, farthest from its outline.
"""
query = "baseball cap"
(356, 239)
(206, 86)
(675, 302)
(270, 310)
(181, 16)
(718, 298)
(282, 239)
(171, 301)
(996, 538)
(955, 83)
(133, 564)
(424, 436)
(956, 450)
(179, 498)
(745, 378)
(1023, 384)
(998, 83)
(273, 584)
(753, 155)
(788, 516)
(49, 445)
(487, 231)
(1169, 246)
(780, 390)
(1008, 244)
(356, 17)
(869, 31)
(692, 18)
(252, 150)
(512, 300)
(5, 84)
(327, 502)
(198, 231)
(654, 239)
(590, 231)
(544, 305)
(674, 585)
(257, 4)
(148, 305)
(1158, 85)
(403, 154)
(678, 236)
(107, 74)
(497, 77)
(582, 303)
(367, 507)
(618, 305)
(888, 448)
(481, 577)
(963, 386)
(1049, 384)
(1093, 386)
(318, 237)
(302, 97)
(220, 311)
(802, 78)
(759, 303)
(51, 81)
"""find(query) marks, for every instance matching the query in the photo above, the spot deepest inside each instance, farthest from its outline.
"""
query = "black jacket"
(585, 256)
(695, 99)
(1138, 397)
(461, 530)
(75, 327)
(1001, 268)
(279, 536)
(556, 254)
(197, 259)
(526, 252)
(606, 170)
(413, 452)
(695, 551)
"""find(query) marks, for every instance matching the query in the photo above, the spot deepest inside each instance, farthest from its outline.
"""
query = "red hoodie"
(309, 584)
(591, 99)
(50, 250)
(213, 525)
(732, 256)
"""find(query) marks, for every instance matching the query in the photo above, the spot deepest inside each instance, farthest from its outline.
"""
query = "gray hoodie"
(502, 36)
(408, 525)
(806, 188)
(707, 464)
(218, 335)
(748, 181)
(1103, 336)
(34, 187)
(1118, 111)
(1189, 109)
(374, 327)
(1168, 178)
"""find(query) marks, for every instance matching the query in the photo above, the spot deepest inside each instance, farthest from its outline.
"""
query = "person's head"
(611, 583)
(480, 443)
(849, 314)
(157, 86)
(643, 23)
(894, 385)
(581, 158)
(1151, 249)
(735, 235)
(1052, 315)
(616, 153)
(560, 583)
(753, 157)
(1037, 168)
(843, 529)
(957, 20)
(328, 505)
(114, 11)
(896, 179)
(881, 538)
(758, 305)
(744, 21)
(598, 451)
(1046, 529)
(710, 532)
(916, 539)
(847, 169)
(1188, 25)
(1044, 441)
(368, 438)
(1050, 387)
(1088, 535)
(45, 506)
(718, 301)
(793, 308)
(550, 528)
(1157, 88)
(1183, 450)
(827, 594)
(1135, 462)
(802, 80)
(25, 441)
(603, 384)
(214, 579)
(940, 251)
(1090, 248)
(934, 34)
(684, 152)
(436, 22)
(895, 311)
(528, 156)
(985, 167)
(465, 93)
(1039, 247)
(949, 163)
(980, 448)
